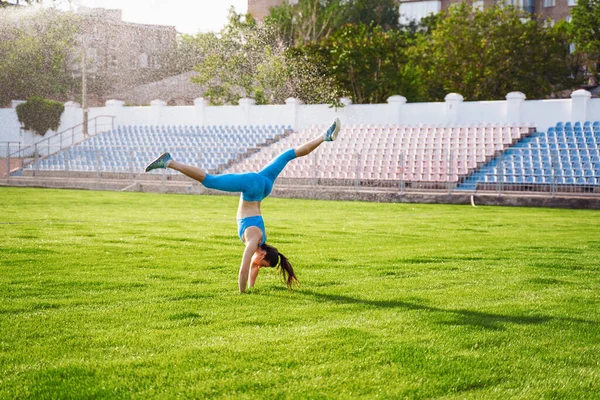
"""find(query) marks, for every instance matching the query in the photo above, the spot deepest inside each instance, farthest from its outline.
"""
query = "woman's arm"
(253, 236)
(253, 274)
(245, 267)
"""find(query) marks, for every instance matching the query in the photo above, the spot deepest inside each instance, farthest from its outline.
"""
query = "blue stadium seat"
(131, 147)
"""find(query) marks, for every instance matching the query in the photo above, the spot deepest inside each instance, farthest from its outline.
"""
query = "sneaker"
(161, 162)
(333, 130)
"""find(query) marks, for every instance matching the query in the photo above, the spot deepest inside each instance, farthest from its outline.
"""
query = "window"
(91, 53)
(143, 60)
(572, 48)
(572, 3)
(477, 5)
(569, 18)
(549, 3)
(153, 62)
(526, 5)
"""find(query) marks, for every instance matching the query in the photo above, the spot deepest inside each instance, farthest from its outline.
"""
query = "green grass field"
(130, 295)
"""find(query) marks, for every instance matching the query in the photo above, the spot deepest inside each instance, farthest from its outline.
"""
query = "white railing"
(65, 138)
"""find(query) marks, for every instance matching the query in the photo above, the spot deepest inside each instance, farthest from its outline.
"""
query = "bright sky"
(188, 16)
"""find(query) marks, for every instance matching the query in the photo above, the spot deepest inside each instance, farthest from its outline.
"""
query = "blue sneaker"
(333, 130)
(161, 162)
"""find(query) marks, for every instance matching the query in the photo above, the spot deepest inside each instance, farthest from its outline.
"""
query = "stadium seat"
(131, 147)
(562, 155)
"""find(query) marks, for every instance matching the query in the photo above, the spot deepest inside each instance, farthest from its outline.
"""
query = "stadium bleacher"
(458, 157)
(424, 153)
(566, 155)
(129, 148)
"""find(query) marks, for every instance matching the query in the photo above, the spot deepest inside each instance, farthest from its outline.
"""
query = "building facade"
(412, 10)
(259, 9)
(122, 54)
(555, 10)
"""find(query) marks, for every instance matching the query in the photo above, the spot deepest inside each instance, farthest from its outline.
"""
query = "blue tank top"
(247, 222)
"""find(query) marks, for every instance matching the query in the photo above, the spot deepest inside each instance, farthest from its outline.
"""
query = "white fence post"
(395, 104)
(201, 104)
(246, 105)
(579, 103)
(514, 100)
(453, 101)
(292, 109)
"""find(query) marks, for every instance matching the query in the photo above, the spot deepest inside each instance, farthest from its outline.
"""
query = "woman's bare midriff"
(248, 209)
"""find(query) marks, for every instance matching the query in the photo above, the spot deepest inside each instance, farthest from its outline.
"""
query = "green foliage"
(40, 115)
(35, 50)
(185, 55)
(370, 63)
(310, 21)
(486, 54)
(101, 296)
(230, 66)
(383, 13)
(248, 60)
(319, 50)
(586, 32)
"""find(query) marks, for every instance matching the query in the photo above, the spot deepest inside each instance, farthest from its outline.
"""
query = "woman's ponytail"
(287, 272)
(279, 261)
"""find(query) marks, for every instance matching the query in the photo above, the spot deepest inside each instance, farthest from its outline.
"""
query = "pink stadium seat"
(425, 153)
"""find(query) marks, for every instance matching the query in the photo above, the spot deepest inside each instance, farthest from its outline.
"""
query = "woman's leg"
(328, 136)
(247, 183)
(232, 184)
(192, 172)
(274, 168)
(308, 147)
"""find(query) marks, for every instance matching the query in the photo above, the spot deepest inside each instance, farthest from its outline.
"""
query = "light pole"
(84, 87)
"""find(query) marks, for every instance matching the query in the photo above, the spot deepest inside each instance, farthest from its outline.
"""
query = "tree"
(585, 28)
(485, 54)
(248, 60)
(369, 63)
(40, 115)
(185, 55)
(35, 52)
(310, 21)
(383, 13)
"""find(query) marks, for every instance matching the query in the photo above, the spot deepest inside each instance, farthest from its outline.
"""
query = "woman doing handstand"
(254, 187)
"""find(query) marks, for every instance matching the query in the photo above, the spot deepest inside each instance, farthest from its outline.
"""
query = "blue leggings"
(254, 186)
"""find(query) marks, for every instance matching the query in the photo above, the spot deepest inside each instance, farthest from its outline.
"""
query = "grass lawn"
(132, 295)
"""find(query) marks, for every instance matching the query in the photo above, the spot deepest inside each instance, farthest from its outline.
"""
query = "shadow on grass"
(447, 316)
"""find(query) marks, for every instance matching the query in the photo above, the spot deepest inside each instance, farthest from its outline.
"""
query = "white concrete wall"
(540, 113)
(9, 125)
(593, 111)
